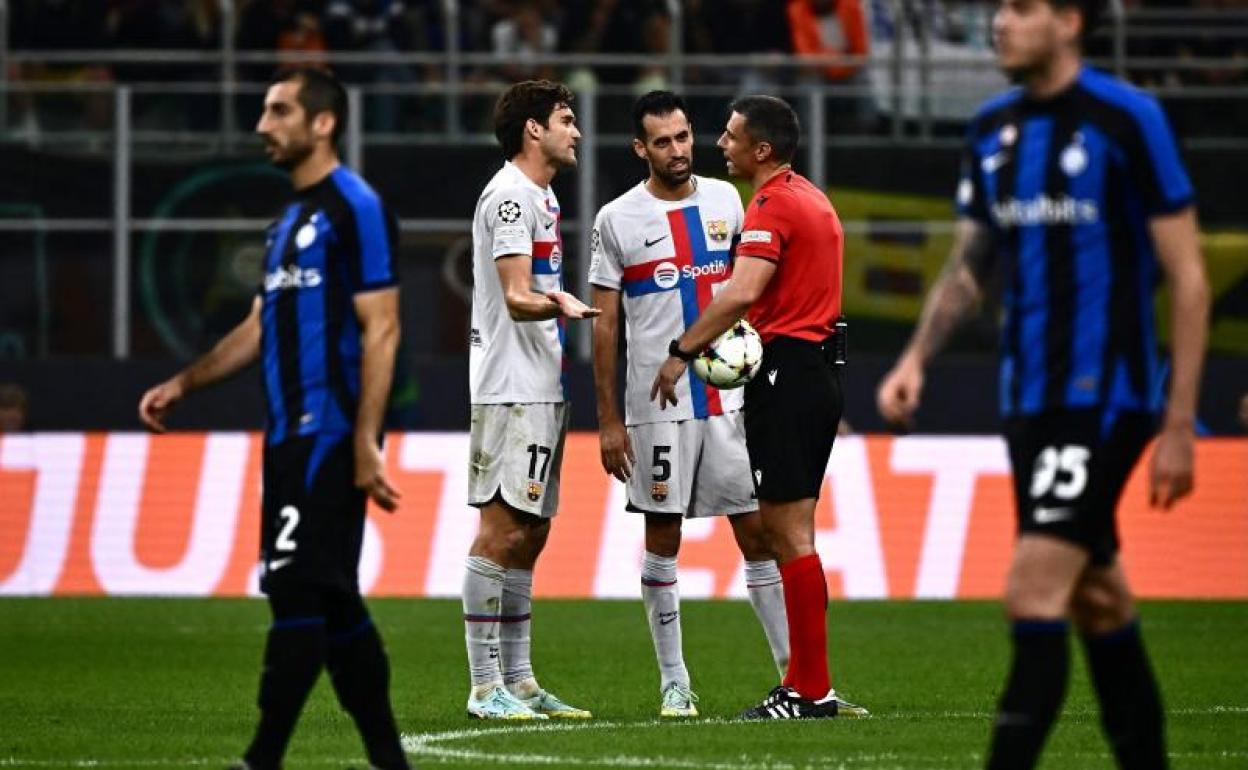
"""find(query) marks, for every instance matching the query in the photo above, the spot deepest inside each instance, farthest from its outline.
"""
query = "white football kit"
(668, 259)
(515, 368)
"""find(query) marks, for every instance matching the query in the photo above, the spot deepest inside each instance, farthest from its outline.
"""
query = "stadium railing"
(915, 92)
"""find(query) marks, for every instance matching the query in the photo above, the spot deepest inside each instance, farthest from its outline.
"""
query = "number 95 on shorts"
(515, 453)
(1069, 470)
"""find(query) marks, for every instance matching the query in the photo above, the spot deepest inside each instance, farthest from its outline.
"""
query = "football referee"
(787, 276)
(325, 326)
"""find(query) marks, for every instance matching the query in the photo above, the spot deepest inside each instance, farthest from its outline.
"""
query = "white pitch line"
(426, 744)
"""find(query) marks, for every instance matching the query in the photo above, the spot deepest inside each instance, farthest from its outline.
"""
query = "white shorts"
(515, 452)
(691, 468)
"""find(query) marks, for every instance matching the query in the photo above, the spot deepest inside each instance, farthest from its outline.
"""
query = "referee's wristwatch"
(673, 349)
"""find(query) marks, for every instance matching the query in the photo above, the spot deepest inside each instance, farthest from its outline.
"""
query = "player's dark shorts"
(1069, 471)
(792, 410)
(312, 517)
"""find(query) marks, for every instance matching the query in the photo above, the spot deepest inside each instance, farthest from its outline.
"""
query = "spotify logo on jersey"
(666, 275)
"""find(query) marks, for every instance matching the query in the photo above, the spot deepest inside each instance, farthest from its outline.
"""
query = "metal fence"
(912, 93)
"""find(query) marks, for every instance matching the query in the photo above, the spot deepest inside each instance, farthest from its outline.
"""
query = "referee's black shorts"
(792, 409)
(312, 517)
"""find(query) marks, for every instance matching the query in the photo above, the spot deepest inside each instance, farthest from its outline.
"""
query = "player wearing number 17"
(519, 410)
(1073, 180)
(325, 327)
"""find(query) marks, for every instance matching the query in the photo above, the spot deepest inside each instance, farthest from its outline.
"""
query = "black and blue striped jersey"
(334, 240)
(1067, 186)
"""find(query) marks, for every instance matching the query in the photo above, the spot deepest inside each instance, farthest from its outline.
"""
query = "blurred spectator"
(59, 25)
(835, 28)
(13, 408)
(741, 27)
(377, 27)
(521, 35)
(188, 25)
(1243, 412)
(830, 28)
(292, 28)
(177, 24)
(617, 27)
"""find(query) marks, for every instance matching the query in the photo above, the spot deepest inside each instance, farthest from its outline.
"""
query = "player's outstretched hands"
(899, 391)
(370, 476)
(156, 403)
(571, 307)
(1172, 478)
(617, 450)
(664, 387)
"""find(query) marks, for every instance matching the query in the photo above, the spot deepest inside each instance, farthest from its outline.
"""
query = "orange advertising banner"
(907, 517)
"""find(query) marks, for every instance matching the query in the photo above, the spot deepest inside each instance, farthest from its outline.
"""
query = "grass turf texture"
(169, 683)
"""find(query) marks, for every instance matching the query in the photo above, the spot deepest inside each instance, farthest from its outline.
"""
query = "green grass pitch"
(143, 683)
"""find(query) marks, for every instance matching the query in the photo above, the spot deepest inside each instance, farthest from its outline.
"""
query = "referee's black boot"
(786, 703)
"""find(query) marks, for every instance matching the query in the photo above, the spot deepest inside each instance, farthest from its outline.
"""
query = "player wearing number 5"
(325, 327)
(1074, 181)
(659, 253)
(519, 412)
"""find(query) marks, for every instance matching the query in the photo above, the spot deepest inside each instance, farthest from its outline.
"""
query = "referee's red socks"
(806, 602)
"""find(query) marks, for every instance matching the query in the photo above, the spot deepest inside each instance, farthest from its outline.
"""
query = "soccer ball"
(733, 359)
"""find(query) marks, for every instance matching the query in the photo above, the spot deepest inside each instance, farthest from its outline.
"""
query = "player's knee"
(1100, 609)
(662, 535)
(1024, 599)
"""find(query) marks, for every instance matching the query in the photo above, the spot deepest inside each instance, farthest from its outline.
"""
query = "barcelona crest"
(658, 491)
(717, 230)
(535, 491)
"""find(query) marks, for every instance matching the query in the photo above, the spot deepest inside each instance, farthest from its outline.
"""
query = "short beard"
(671, 180)
(295, 154)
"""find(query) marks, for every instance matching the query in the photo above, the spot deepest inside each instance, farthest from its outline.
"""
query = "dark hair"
(657, 103)
(770, 120)
(522, 102)
(1090, 10)
(319, 91)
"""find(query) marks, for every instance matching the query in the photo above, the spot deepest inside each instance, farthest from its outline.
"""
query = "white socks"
(661, 596)
(483, 598)
(514, 625)
(762, 583)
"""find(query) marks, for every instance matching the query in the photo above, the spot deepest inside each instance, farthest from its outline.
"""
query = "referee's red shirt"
(791, 223)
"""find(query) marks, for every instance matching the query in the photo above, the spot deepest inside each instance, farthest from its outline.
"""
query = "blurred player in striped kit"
(1074, 181)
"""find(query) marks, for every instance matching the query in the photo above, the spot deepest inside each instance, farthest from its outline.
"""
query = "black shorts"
(312, 515)
(1069, 470)
(792, 410)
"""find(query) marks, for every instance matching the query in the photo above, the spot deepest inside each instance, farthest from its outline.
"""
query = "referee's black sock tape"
(1033, 693)
(1131, 709)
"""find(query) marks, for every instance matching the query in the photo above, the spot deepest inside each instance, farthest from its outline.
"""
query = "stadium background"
(134, 198)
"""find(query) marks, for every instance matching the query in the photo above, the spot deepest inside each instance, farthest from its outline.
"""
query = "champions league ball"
(733, 359)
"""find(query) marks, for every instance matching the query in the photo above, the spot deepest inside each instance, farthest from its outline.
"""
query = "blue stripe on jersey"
(643, 287)
(689, 300)
(376, 261)
(320, 450)
(268, 322)
(1172, 180)
(1094, 277)
(1032, 157)
(543, 266)
(310, 304)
